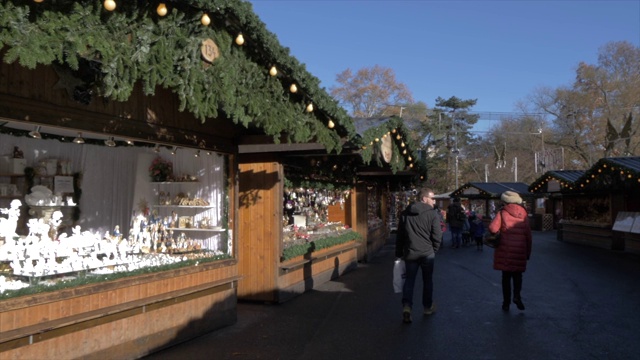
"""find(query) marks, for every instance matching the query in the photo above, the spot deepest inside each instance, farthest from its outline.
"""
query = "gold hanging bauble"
(273, 71)
(293, 88)
(310, 107)
(240, 40)
(330, 124)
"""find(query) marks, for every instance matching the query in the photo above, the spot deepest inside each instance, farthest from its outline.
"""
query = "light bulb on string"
(240, 39)
(330, 124)
(310, 107)
(109, 5)
(273, 71)
(293, 88)
(205, 19)
(162, 9)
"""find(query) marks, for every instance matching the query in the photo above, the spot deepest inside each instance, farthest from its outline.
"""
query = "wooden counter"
(303, 273)
(591, 234)
(120, 319)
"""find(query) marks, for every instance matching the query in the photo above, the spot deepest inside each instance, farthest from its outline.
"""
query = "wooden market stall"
(115, 316)
(307, 215)
(600, 208)
(550, 186)
(484, 198)
(393, 168)
(282, 255)
(147, 90)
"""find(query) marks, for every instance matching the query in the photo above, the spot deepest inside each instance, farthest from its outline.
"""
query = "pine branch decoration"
(132, 45)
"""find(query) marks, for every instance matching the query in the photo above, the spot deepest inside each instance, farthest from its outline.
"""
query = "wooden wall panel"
(259, 230)
(36, 96)
(359, 208)
(337, 213)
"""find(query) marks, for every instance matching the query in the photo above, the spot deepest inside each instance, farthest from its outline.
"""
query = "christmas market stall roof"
(611, 174)
(386, 144)
(216, 56)
(382, 150)
(490, 190)
(555, 181)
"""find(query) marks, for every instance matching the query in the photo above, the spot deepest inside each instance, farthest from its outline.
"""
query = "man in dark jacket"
(455, 218)
(419, 238)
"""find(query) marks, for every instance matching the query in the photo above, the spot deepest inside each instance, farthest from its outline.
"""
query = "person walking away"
(477, 230)
(466, 231)
(455, 219)
(419, 239)
(512, 254)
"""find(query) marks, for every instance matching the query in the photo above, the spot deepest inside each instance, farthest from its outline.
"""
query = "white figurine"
(8, 226)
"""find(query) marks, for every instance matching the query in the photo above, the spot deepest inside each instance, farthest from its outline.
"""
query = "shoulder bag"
(490, 239)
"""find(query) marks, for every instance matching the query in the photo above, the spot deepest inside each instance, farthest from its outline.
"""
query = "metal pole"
(456, 169)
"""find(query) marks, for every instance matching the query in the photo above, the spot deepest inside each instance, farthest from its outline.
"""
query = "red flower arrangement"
(160, 169)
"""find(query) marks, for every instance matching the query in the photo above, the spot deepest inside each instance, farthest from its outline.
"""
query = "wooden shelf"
(197, 229)
(175, 182)
(183, 206)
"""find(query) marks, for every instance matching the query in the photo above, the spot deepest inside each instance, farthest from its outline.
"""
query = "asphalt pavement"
(581, 303)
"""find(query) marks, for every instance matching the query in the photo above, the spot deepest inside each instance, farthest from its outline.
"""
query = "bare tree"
(370, 91)
(597, 116)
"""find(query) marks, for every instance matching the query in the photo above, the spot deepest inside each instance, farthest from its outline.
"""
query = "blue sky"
(498, 52)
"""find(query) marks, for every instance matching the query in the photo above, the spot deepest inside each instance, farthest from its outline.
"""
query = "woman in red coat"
(512, 254)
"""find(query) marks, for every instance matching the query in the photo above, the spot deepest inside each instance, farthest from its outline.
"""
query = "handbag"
(490, 239)
(399, 274)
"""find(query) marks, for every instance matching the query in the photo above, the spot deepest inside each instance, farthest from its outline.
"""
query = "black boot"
(517, 287)
(506, 290)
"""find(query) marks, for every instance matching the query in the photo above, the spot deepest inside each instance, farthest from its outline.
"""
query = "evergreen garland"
(399, 161)
(132, 44)
(316, 245)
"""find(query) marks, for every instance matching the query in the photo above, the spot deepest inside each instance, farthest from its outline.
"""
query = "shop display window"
(125, 223)
(594, 209)
(374, 210)
(313, 214)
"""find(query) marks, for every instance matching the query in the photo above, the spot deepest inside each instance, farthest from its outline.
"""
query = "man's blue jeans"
(412, 266)
(456, 236)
